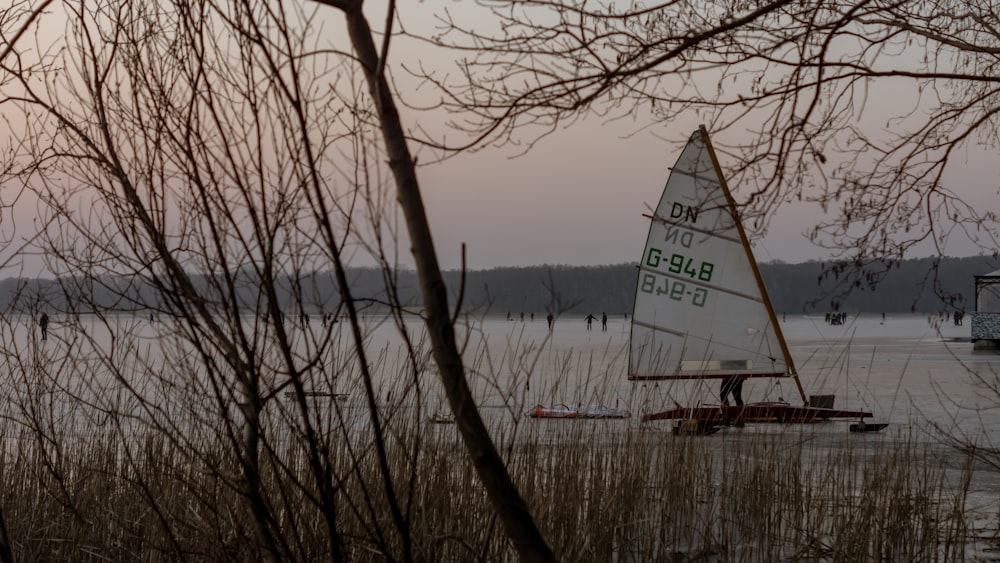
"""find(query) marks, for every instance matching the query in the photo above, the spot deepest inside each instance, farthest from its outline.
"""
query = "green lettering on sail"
(673, 289)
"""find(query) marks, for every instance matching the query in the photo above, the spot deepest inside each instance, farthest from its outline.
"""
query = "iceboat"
(701, 311)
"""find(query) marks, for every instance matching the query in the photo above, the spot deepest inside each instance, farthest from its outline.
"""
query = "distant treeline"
(920, 285)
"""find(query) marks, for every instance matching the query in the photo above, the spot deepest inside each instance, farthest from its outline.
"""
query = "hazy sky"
(579, 198)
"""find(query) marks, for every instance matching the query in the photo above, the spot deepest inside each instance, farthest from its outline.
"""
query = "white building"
(986, 319)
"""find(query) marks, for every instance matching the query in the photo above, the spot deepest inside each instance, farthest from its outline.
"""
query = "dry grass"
(91, 476)
(599, 494)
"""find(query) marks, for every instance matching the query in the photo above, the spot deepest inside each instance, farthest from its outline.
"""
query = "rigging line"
(759, 243)
(766, 342)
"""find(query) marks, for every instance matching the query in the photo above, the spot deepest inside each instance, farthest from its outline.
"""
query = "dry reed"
(92, 477)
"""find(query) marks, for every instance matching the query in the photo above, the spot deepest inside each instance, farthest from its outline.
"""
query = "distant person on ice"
(44, 324)
(549, 319)
(604, 322)
(732, 385)
(590, 321)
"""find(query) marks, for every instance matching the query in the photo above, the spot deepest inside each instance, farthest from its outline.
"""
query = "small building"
(986, 319)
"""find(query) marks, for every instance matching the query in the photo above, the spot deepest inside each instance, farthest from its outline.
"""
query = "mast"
(753, 263)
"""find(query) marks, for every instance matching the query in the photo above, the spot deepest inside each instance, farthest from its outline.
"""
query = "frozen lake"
(917, 373)
(910, 370)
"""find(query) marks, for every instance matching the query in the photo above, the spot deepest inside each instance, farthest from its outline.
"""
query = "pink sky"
(579, 197)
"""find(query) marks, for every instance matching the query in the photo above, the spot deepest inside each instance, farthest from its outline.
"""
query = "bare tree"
(866, 108)
(199, 166)
(165, 165)
(215, 153)
(506, 499)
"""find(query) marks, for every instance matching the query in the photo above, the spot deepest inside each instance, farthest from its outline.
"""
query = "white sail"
(700, 309)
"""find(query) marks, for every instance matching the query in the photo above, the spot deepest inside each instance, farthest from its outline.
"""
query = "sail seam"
(652, 326)
(651, 270)
(684, 225)
(709, 177)
(687, 335)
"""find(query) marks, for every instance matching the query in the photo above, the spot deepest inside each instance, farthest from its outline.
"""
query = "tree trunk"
(517, 519)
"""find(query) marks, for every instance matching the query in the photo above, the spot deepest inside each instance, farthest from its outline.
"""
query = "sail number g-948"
(680, 264)
(676, 290)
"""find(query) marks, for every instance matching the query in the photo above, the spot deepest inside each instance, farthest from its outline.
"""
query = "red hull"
(757, 412)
